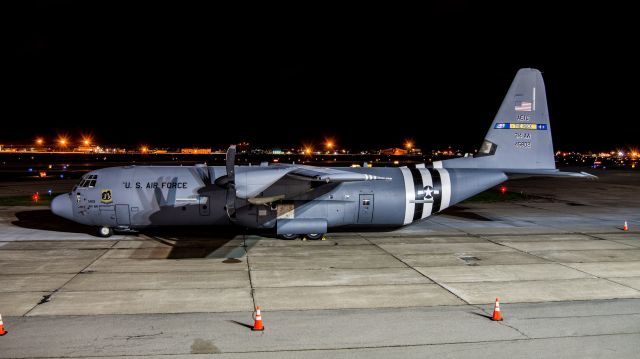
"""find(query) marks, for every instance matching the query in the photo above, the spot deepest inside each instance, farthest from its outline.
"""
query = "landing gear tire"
(315, 236)
(289, 236)
(105, 232)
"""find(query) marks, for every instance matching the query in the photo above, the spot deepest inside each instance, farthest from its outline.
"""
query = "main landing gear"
(312, 236)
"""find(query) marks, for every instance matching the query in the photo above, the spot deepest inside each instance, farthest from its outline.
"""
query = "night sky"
(172, 74)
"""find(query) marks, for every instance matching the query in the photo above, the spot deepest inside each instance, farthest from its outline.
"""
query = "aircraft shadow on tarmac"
(462, 212)
(183, 242)
(201, 242)
(45, 220)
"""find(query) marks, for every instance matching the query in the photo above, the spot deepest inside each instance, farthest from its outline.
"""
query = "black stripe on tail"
(437, 189)
(419, 190)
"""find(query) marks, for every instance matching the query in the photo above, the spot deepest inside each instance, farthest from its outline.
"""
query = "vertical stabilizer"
(520, 135)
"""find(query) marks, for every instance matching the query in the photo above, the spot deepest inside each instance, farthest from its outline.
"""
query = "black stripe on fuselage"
(419, 192)
(437, 189)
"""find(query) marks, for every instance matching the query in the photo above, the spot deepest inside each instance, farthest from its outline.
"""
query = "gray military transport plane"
(296, 200)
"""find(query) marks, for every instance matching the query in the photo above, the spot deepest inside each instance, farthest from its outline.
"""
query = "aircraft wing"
(328, 175)
(252, 182)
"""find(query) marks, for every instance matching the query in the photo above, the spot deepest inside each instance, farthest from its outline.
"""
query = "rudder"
(520, 135)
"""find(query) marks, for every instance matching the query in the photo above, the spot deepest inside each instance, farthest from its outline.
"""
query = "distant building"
(87, 149)
(196, 151)
(394, 152)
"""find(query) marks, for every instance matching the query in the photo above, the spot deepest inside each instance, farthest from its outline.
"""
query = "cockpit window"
(88, 181)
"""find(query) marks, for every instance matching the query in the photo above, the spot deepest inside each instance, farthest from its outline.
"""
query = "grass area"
(45, 200)
(495, 196)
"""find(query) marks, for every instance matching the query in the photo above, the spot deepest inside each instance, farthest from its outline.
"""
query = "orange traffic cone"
(257, 325)
(497, 315)
(2, 331)
(626, 227)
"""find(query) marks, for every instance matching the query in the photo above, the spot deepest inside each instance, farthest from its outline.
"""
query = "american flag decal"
(524, 106)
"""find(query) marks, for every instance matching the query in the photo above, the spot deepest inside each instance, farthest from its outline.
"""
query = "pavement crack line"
(392, 346)
(412, 268)
(502, 322)
(592, 217)
(252, 289)
(47, 298)
(565, 265)
(582, 316)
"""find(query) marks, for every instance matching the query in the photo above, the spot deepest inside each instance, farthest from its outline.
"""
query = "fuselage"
(142, 196)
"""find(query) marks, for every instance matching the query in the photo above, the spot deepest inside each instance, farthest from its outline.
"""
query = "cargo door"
(122, 215)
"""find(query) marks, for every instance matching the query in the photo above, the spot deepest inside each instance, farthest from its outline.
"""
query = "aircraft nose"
(61, 206)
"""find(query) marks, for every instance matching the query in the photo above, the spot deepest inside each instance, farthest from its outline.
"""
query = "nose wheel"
(105, 232)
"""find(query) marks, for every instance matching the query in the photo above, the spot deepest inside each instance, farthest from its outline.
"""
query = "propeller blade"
(231, 183)
(231, 164)
(203, 171)
(231, 201)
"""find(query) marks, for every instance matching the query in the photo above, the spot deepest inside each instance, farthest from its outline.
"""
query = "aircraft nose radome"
(61, 206)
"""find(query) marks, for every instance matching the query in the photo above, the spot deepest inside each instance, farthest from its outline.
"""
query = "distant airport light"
(39, 141)
(503, 189)
(86, 139)
(329, 144)
(35, 197)
(408, 145)
(43, 174)
(50, 191)
(144, 149)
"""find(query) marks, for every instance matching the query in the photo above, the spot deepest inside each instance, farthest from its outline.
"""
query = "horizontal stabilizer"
(547, 173)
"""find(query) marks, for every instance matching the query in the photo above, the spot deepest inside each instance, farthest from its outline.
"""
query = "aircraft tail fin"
(520, 135)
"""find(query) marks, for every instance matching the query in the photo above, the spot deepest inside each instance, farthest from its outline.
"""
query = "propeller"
(231, 183)
(203, 171)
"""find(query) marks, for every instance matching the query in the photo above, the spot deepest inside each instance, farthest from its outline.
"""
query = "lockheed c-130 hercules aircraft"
(293, 200)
